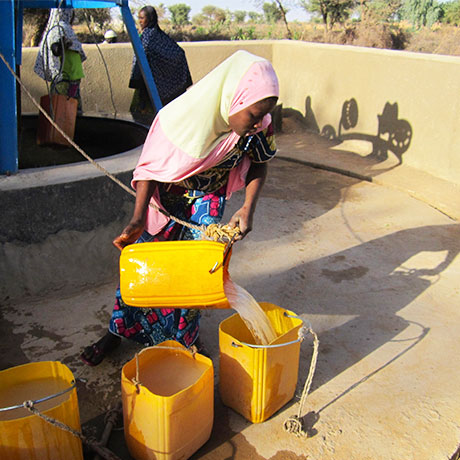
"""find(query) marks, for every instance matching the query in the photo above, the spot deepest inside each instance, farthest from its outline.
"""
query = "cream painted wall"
(426, 89)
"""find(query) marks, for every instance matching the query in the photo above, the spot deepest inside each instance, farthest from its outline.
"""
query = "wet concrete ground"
(373, 269)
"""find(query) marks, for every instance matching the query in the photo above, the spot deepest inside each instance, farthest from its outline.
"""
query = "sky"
(294, 13)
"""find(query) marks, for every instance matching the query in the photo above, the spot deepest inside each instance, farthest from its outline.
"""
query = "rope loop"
(294, 425)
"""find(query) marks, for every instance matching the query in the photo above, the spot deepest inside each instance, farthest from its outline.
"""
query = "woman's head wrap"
(192, 134)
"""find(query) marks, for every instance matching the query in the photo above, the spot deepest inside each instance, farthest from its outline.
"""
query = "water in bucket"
(168, 402)
(31, 390)
(181, 371)
(256, 380)
(24, 435)
(250, 312)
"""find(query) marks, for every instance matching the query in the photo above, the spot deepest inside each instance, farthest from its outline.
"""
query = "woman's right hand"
(129, 235)
(135, 228)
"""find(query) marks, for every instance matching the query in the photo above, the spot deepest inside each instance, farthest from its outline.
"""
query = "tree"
(255, 17)
(422, 12)
(331, 11)
(35, 19)
(214, 13)
(452, 13)
(179, 14)
(272, 12)
(380, 10)
(95, 16)
(239, 16)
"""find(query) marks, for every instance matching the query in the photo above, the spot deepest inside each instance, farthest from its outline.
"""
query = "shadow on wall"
(393, 135)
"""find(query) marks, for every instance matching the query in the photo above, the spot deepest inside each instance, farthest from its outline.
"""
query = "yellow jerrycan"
(168, 402)
(174, 274)
(257, 380)
(23, 436)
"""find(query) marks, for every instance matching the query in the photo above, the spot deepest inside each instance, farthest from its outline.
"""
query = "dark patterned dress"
(199, 200)
(169, 69)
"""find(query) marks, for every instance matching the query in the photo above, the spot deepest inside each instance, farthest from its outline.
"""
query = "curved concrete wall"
(362, 96)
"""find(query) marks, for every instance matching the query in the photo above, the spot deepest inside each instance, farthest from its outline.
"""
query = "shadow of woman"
(354, 297)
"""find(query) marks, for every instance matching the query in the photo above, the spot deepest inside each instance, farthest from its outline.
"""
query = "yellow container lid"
(174, 274)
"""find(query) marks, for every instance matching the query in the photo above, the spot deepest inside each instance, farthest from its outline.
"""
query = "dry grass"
(441, 39)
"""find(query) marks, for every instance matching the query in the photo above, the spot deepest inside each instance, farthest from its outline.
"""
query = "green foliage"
(381, 10)
(331, 11)
(255, 17)
(161, 11)
(239, 16)
(214, 14)
(179, 14)
(245, 34)
(452, 13)
(35, 19)
(272, 12)
(422, 12)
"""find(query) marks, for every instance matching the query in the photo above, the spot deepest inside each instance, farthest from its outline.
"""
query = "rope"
(294, 424)
(103, 61)
(200, 228)
(99, 449)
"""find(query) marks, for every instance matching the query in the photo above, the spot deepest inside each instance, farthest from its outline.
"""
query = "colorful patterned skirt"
(150, 326)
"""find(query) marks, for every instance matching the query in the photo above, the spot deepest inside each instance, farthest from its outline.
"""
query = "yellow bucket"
(25, 436)
(174, 274)
(169, 415)
(257, 380)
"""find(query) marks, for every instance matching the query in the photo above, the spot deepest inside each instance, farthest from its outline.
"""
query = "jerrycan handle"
(227, 252)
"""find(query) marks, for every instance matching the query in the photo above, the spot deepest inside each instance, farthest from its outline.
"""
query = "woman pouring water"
(208, 143)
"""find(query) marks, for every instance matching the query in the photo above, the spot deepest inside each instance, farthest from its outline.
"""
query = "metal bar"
(250, 345)
(141, 57)
(46, 398)
(71, 3)
(19, 24)
(8, 113)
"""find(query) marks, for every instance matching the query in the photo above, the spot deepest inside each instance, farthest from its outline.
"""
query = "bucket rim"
(288, 314)
(46, 398)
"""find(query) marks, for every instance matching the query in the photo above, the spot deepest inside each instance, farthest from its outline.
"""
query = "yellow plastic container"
(170, 414)
(256, 380)
(174, 274)
(25, 436)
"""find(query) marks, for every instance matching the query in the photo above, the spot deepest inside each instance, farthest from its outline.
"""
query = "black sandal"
(95, 353)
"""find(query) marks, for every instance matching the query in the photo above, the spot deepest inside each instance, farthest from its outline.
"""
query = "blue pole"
(8, 112)
(140, 55)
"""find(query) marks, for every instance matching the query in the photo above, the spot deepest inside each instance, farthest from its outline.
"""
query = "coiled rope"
(294, 424)
(223, 233)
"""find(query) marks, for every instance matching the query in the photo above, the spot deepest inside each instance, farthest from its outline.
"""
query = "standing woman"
(213, 140)
(61, 54)
(168, 64)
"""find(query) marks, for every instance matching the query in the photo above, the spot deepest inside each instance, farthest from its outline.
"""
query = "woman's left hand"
(242, 219)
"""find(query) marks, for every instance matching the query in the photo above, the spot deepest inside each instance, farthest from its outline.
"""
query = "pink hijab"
(191, 134)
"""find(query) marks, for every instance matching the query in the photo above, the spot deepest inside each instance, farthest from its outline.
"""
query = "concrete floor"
(373, 269)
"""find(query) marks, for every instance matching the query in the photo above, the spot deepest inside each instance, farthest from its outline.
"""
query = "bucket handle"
(302, 336)
(46, 398)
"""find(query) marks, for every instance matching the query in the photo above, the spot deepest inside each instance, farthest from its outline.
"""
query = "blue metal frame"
(11, 22)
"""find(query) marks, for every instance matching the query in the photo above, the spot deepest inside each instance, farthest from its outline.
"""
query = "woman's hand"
(129, 235)
(135, 228)
(254, 182)
(242, 219)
